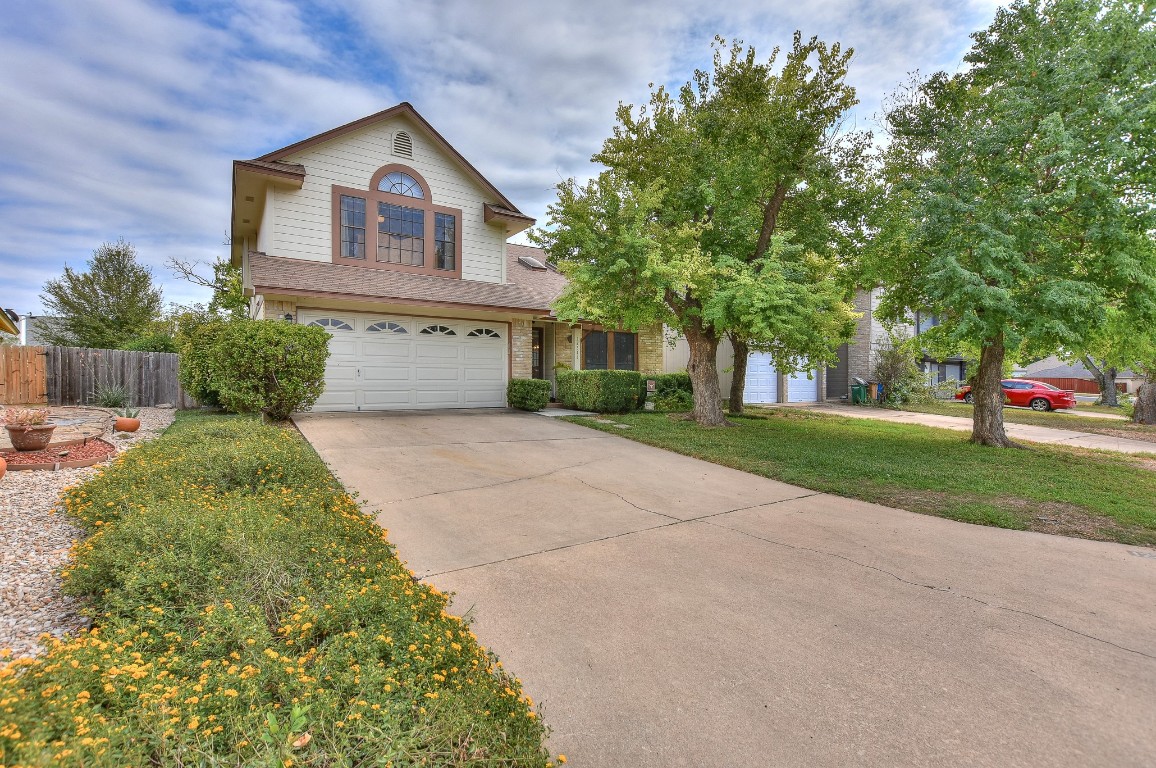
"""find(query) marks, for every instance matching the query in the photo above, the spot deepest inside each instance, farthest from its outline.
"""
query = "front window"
(352, 227)
(445, 240)
(614, 351)
(400, 235)
(412, 233)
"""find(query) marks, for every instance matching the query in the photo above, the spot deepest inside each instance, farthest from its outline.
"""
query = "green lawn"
(1057, 419)
(922, 469)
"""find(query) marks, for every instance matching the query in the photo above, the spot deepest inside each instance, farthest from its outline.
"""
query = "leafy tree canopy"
(1017, 195)
(105, 307)
(718, 211)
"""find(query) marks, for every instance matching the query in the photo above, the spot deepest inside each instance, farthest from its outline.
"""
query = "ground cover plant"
(922, 469)
(1056, 419)
(248, 613)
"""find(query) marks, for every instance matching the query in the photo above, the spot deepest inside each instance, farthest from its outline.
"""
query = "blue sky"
(121, 117)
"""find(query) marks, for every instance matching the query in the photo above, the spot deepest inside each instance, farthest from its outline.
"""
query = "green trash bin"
(859, 394)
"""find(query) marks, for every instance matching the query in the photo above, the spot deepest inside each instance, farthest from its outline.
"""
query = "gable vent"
(402, 144)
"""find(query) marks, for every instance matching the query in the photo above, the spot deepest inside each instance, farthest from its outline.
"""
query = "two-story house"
(382, 233)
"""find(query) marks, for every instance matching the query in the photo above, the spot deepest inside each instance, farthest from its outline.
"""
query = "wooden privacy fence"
(71, 376)
(1083, 386)
(22, 378)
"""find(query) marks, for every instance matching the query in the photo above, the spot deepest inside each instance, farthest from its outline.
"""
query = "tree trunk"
(1145, 405)
(739, 375)
(1106, 380)
(704, 376)
(987, 418)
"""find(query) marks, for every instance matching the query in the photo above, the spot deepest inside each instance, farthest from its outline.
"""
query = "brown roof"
(547, 282)
(272, 274)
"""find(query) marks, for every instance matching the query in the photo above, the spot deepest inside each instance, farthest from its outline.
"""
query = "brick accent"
(276, 310)
(521, 349)
(650, 345)
(564, 336)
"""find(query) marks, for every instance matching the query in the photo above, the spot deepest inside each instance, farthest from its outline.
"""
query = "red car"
(1030, 394)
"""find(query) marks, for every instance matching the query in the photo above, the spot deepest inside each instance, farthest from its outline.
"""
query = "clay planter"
(30, 438)
(3, 467)
(125, 424)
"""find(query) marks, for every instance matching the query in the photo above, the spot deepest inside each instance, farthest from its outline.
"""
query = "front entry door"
(537, 355)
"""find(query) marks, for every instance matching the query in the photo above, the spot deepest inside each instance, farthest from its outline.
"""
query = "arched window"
(488, 333)
(386, 327)
(438, 330)
(395, 225)
(332, 324)
(400, 183)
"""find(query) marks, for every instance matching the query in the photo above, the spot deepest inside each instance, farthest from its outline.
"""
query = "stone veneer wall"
(564, 344)
(650, 349)
(521, 349)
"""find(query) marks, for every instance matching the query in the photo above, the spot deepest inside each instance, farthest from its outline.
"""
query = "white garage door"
(388, 362)
(801, 389)
(762, 385)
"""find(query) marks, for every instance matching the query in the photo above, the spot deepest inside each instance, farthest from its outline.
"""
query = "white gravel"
(34, 542)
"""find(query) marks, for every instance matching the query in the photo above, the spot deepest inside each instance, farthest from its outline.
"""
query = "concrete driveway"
(670, 612)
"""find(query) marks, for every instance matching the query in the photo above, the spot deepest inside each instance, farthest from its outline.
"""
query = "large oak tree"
(713, 213)
(1017, 195)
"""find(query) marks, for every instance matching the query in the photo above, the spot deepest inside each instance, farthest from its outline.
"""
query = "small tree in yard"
(687, 226)
(1018, 195)
(105, 307)
(895, 366)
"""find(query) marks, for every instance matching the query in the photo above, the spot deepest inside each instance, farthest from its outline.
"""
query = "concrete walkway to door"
(671, 612)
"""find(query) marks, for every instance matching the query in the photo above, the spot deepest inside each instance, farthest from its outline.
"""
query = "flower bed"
(248, 612)
(83, 454)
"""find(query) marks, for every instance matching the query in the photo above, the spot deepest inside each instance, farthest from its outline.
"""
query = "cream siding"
(301, 224)
(264, 227)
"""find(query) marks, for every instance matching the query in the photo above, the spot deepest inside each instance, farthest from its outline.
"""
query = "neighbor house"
(384, 235)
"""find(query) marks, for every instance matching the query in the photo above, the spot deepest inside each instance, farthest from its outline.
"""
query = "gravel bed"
(34, 543)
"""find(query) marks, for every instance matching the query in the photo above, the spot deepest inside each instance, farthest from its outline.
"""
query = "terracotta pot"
(31, 438)
(3, 467)
(125, 424)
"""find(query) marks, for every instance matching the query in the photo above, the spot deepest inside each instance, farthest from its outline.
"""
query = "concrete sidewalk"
(1026, 432)
(671, 612)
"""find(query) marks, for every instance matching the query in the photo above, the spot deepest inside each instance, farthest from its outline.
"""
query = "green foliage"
(528, 394)
(895, 365)
(105, 307)
(250, 366)
(724, 208)
(1017, 197)
(673, 392)
(229, 301)
(600, 391)
(110, 395)
(249, 613)
(151, 342)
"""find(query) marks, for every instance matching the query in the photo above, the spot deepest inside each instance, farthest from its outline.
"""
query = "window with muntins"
(488, 333)
(333, 324)
(412, 233)
(438, 330)
(609, 351)
(386, 327)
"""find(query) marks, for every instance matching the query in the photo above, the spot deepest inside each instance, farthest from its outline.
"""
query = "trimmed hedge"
(250, 366)
(601, 391)
(528, 394)
(673, 392)
(248, 613)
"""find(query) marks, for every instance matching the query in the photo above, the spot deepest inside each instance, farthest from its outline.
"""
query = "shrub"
(151, 342)
(249, 366)
(528, 394)
(896, 367)
(601, 391)
(248, 613)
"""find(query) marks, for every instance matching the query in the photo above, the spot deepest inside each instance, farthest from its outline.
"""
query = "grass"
(932, 471)
(248, 613)
(1055, 419)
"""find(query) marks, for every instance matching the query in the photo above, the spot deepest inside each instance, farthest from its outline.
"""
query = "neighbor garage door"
(762, 384)
(391, 362)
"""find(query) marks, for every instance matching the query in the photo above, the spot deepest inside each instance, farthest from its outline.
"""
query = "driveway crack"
(935, 588)
(492, 485)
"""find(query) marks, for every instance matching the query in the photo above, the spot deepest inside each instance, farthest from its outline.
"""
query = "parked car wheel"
(1040, 404)
(968, 398)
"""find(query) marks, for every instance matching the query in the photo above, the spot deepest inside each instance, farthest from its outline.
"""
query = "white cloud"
(122, 117)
